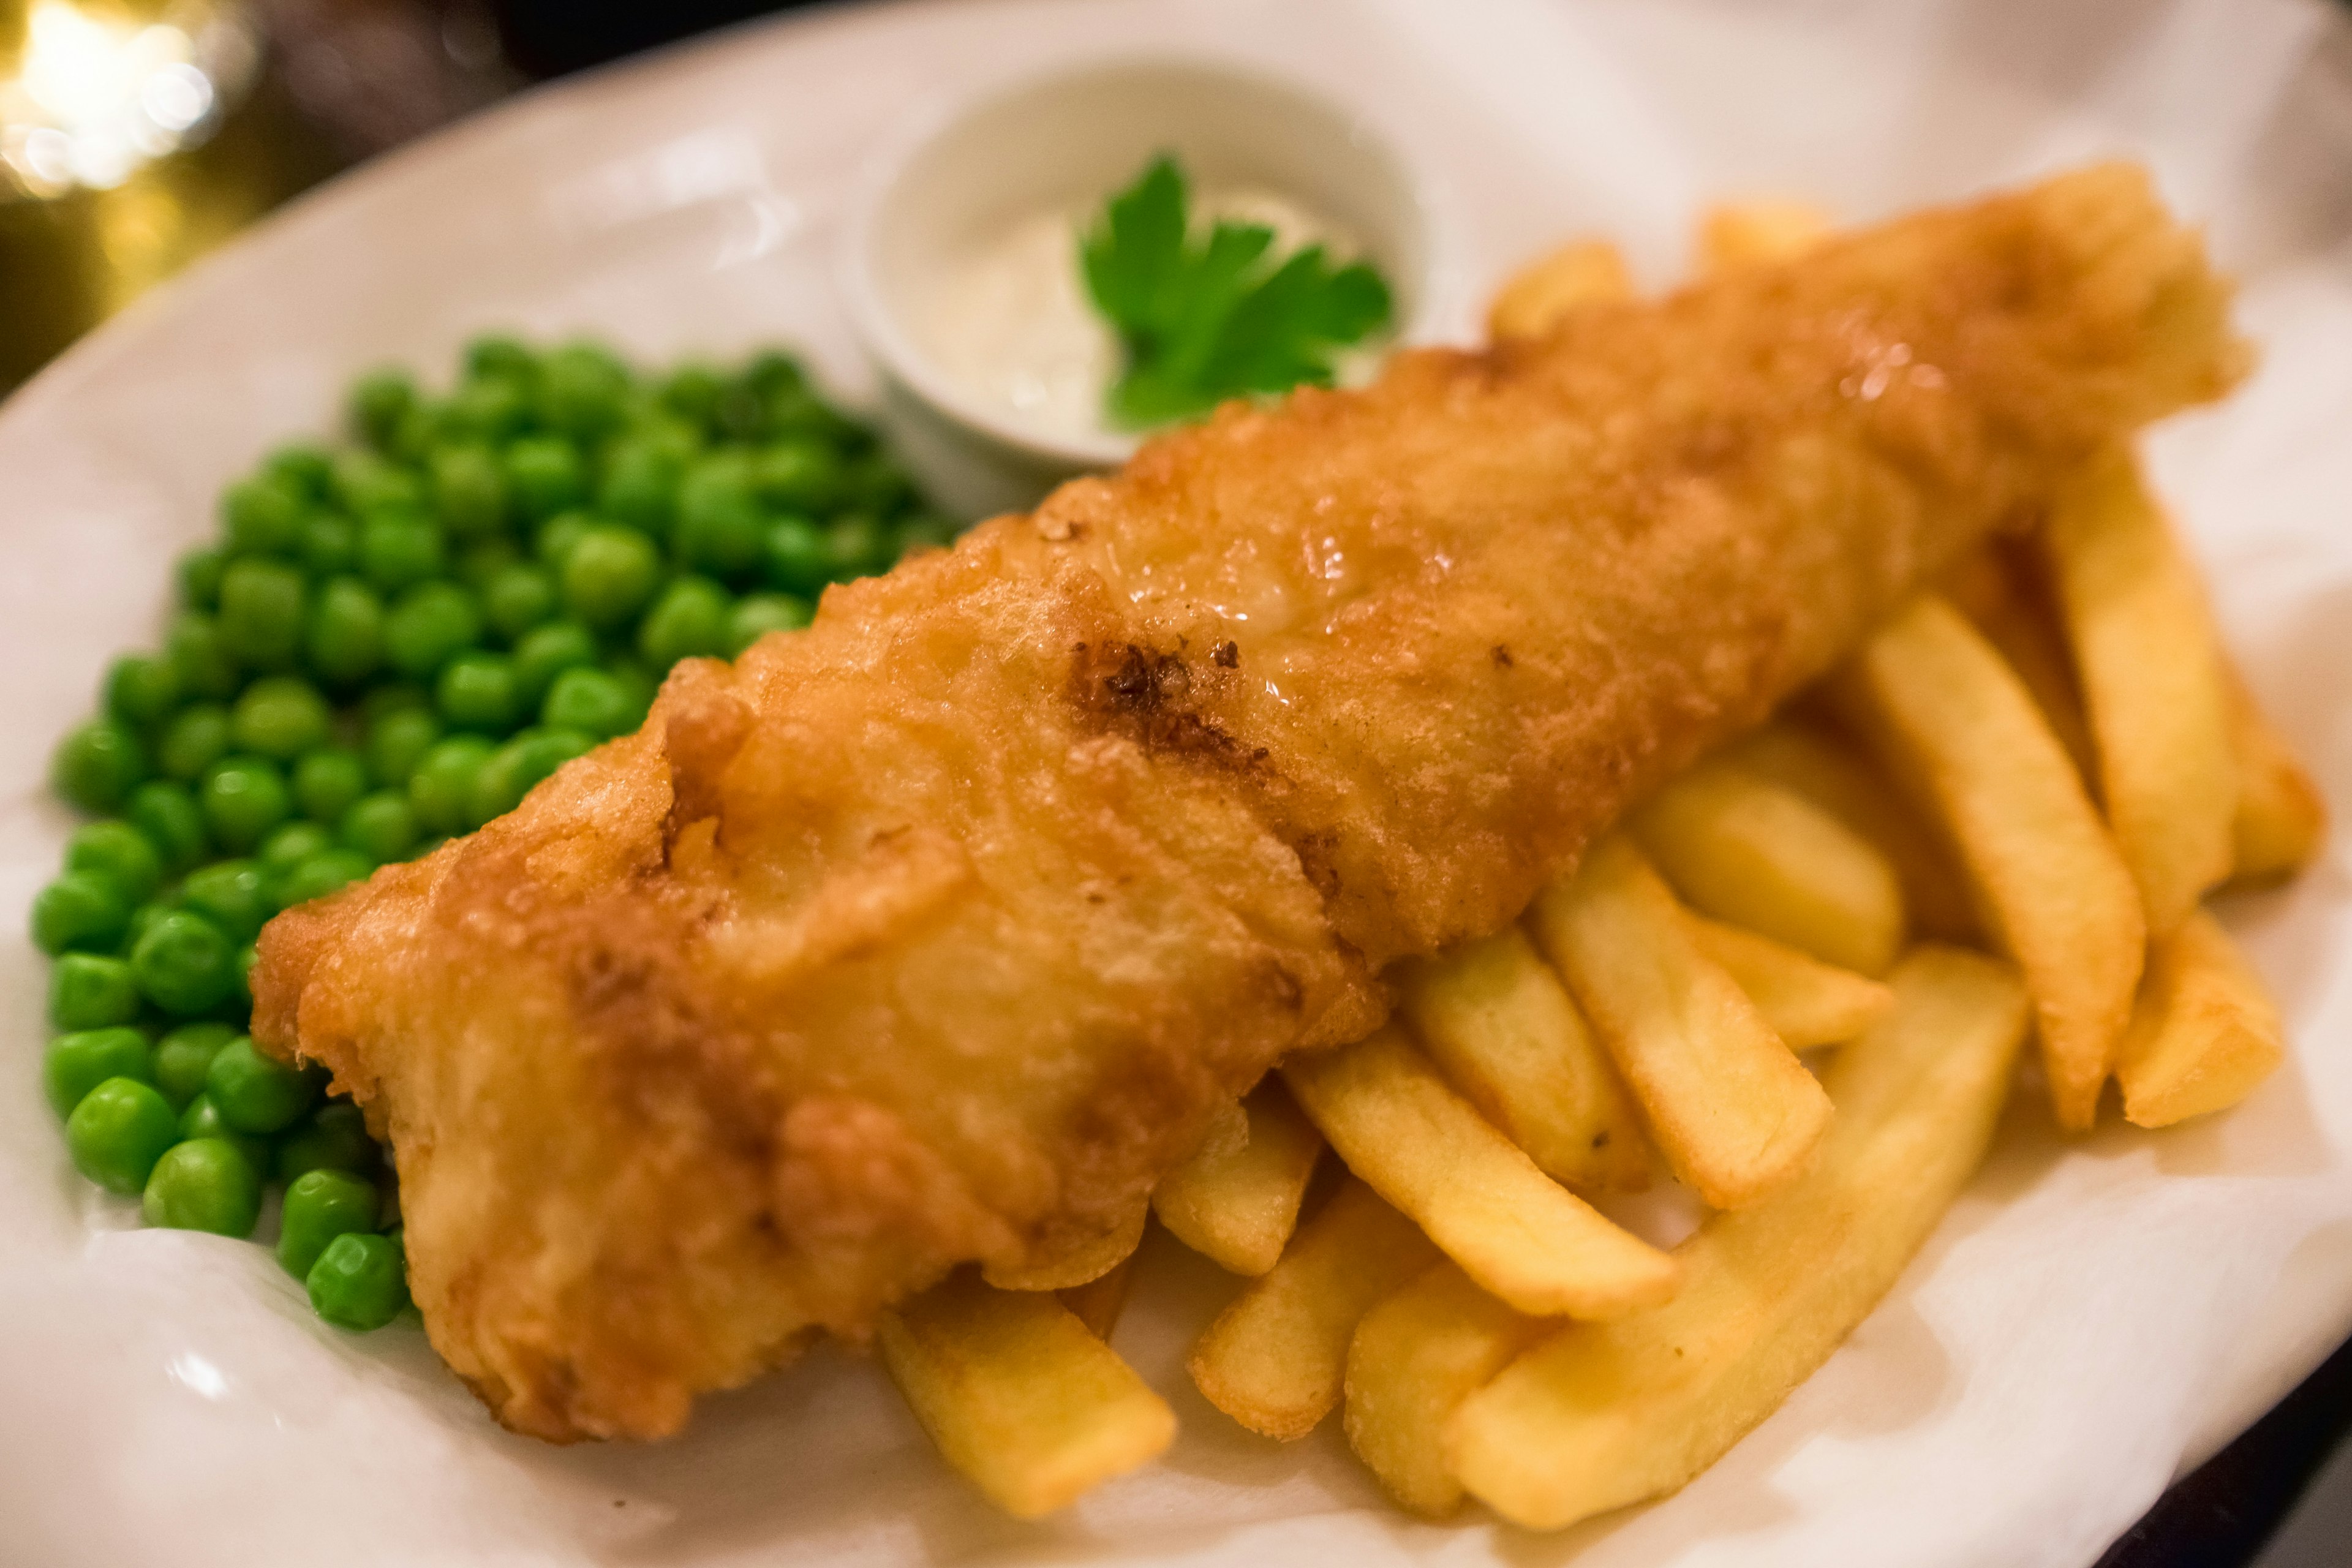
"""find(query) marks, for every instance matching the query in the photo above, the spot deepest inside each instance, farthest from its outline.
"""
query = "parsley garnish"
(1206, 318)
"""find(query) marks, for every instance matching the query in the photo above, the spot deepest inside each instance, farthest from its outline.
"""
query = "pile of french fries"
(1999, 821)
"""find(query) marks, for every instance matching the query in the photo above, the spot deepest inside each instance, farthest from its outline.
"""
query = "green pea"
(319, 1206)
(499, 354)
(546, 652)
(636, 683)
(491, 408)
(398, 548)
(90, 991)
(304, 468)
(203, 1184)
(469, 490)
(281, 718)
(360, 1282)
(328, 871)
(184, 1057)
(335, 1137)
(740, 413)
(199, 574)
(692, 392)
(876, 485)
(516, 768)
(589, 700)
(581, 390)
(379, 401)
(397, 742)
(720, 528)
(380, 827)
(233, 895)
(261, 516)
(428, 624)
(441, 789)
(326, 782)
(242, 798)
(141, 689)
(257, 1094)
(517, 598)
(640, 487)
(77, 1063)
(476, 691)
(798, 560)
(330, 545)
(609, 575)
(556, 538)
(291, 843)
(688, 621)
(757, 614)
(185, 965)
(857, 546)
(168, 815)
(246, 957)
(199, 657)
(118, 1132)
(195, 739)
(97, 766)
(799, 411)
(773, 372)
(544, 476)
(202, 1118)
(345, 638)
(120, 852)
(798, 476)
(261, 613)
(387, 697)
(365, 483)
(81, 909)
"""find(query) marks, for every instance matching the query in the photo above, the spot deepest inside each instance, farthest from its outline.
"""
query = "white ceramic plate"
(2091, 1317)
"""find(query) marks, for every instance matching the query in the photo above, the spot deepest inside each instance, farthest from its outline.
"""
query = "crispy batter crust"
(937, 931)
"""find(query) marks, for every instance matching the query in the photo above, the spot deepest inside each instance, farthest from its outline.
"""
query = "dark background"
(344, 79)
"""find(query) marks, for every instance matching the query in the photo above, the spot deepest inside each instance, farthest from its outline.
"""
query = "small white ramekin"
(1067, 137)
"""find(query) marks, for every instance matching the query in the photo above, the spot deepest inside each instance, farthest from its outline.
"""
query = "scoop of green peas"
(387, 644)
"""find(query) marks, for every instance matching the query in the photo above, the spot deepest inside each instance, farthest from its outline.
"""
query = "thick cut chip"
(1414, 1359)
(1504, 1030)
(2281, 820)
(2007, 601)
(1099, 1303)
(1807, 1003)
(1474, 1191)
(1759, 229)
(1829, 770)
(2205, 1032)
(1950, 714)
(1080, 1264)
(1237, 1200)
(1018, 1395)
(1734, 1112)
(1604, 1414)
(1538, 296)
(2153, 684)
(1275, 1360)
(1746, 850)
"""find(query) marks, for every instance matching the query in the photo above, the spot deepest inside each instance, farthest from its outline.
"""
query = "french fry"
(1535, 299)
(1828, 771)
(1099, 1303)
(1606, 1415)
(1503, 1029)
(1236, 1202)
(1734, 1112)
(1948, 713)
(1744, 849)
(1415, 1357)
(2153, 684)
(1762, 229)
(1807, 1003)
(1018, 1395)
(2281, 820)
(1474, 1191)
(2012, 608)
(1275, 1359)
(1080, 1264)
(2205, 1031)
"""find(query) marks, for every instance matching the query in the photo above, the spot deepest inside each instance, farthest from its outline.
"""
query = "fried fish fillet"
(937, 931)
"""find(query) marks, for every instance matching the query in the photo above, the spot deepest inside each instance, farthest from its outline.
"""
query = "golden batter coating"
(937, 931)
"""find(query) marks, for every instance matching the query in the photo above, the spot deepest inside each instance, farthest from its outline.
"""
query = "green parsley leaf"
(1204, 318)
